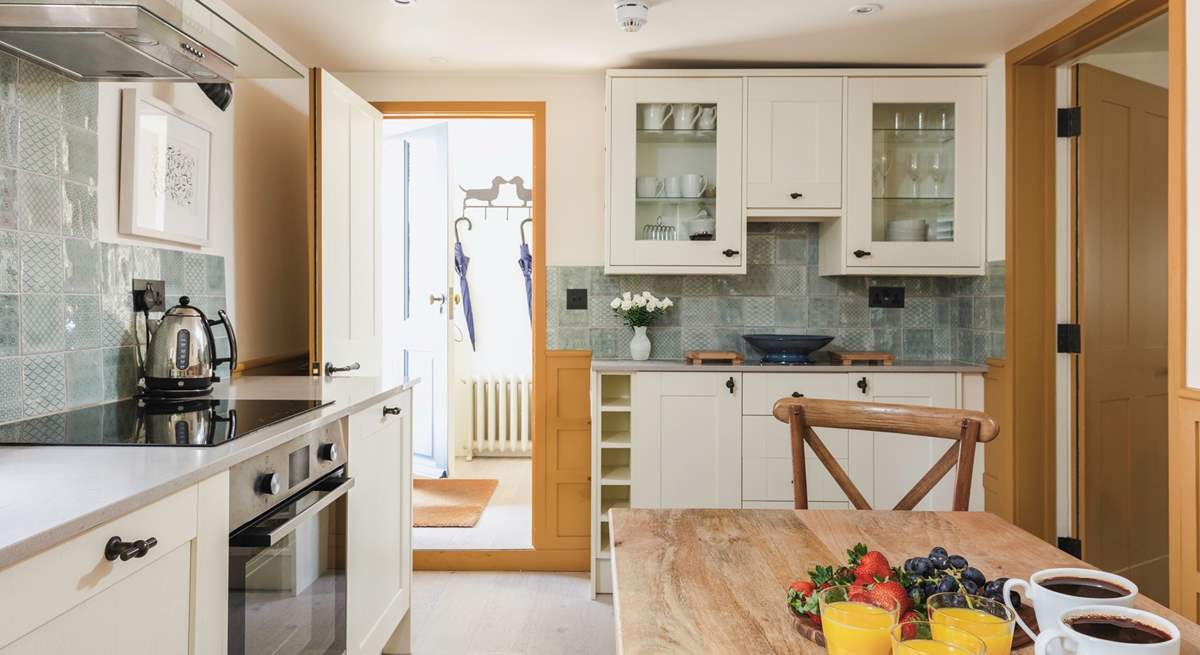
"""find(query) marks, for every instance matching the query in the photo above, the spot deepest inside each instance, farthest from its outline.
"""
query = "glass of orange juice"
(854, 624)
(985, 618)
(925, 638)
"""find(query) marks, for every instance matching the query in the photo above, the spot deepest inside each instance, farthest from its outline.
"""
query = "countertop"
(49, 494)
(653, 365)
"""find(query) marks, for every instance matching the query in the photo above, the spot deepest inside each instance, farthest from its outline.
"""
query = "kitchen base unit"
(673, 435)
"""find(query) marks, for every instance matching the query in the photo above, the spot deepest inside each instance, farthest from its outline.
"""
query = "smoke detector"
(632, 14)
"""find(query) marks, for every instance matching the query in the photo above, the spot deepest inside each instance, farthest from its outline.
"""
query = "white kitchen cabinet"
(669, 226)
(379, 528)
(915, 178)
(685, 450)
(793, 144)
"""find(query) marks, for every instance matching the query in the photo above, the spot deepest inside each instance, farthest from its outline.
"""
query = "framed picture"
(165, 170)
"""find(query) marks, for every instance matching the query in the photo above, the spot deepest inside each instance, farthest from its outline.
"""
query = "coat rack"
(485, 198)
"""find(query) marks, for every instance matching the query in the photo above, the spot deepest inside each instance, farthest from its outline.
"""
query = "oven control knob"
(268, 483)
(327, 452)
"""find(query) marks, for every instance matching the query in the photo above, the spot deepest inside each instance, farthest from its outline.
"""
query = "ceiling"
(578, 35)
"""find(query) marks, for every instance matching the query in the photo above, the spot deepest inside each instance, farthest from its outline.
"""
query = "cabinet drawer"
(372, 419)
(761, 390)
(771, 479)
(70, 573)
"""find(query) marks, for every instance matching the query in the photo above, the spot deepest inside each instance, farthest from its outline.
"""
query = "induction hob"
(201, 422)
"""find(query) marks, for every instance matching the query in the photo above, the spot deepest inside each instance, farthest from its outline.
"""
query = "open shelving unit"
(611, 477)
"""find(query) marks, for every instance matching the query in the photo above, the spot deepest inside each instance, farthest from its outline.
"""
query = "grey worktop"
(49, 494)
(661, 366)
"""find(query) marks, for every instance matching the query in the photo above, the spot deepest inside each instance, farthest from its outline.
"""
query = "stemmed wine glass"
(939, 168)
(914, 173)
(883, 166)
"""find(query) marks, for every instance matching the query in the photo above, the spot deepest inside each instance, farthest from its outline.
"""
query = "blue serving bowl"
(787, 348)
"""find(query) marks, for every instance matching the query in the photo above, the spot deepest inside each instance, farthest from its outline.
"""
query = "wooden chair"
(964, 427)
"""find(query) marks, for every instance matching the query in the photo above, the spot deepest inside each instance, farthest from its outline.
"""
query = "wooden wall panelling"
(564, 465)
(998, 481)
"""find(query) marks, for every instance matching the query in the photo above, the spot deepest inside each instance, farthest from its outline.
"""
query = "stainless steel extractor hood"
(114, 40)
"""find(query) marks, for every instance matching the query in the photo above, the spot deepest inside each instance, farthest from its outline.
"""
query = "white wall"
(574, 143)
(996, 191)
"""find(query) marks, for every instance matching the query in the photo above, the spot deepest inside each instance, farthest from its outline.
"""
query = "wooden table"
(714, 581)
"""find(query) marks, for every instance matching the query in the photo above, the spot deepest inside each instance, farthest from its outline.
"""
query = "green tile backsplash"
(958, 319)
(66, 314)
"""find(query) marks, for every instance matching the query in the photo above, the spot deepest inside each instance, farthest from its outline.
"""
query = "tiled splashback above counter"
(943, 318)
(66, 313)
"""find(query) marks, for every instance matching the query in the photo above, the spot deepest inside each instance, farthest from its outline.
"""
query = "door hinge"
(1068, 338)
(1069, 122)
(1071, 546)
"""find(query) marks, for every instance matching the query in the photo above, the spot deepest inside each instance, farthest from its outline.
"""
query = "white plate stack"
(942, 229)
(908, 229)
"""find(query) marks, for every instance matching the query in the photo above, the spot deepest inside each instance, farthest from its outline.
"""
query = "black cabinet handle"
(730, 252)
(861, 253)
(862, 385)
(796, 196)
(127, 550)
(330, 369)
(730, 384)
(797, 394)
(391, 411)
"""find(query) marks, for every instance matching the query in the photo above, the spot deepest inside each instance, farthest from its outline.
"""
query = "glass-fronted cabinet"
(916, 173)
(675, 175)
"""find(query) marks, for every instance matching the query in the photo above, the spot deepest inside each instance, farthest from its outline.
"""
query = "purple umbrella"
(461, 261)
(526, 264)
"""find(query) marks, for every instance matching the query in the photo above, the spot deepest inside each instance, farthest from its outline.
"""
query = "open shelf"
(614, 475)
(614, 405)
(615, 440)
(620, 504)
(605, 546)
(677, 136)
(889, 135)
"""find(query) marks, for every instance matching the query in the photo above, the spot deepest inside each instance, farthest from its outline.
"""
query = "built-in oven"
(287, 548)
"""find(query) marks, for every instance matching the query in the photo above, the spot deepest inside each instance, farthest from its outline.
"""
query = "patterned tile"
(116, 262)
(8, 78)
(919, 313)
(80, 211)
(10, 389)
(820, 286)
(81, 159)
(39, 203)
(918, 344)
(760, 249)
(41, 264)
(10, 325)
(9, 134)
(83, 322)
(118, 373)
(10, 269)
(148, 266)
(80, 102)
(857, 339)
(997, 348)
(85, 384)
(758, 312)
(39, 144)
(116, 320)
(697, 338)
(45, 429)
(851, 286)
(698, 285)
(699, 311)
(996, 309)
(980, 318)
(195, 275)
(215, 274)
(943, 344)
(791, 251)
(944, 312)
(791, 312)
(854, 313)
(964, 312)
(823, 313)
(730, 312)
(886, 340)
(81, 259)
(42, 323)
(8, 199)
(39, 89)
(666, 343)
(758, 281)
(790, 281)
(884, 317)
(609, 343)
(171, 264)
(43, 384)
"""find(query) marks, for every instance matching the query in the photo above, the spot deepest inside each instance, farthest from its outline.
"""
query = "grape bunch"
(942, 572)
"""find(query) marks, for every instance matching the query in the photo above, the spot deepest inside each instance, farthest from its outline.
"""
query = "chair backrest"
(964, 427)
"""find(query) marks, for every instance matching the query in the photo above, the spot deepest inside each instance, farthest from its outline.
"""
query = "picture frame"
(166, 171)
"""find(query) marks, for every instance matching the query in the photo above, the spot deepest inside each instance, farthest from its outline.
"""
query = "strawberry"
(858, 593)
(868, 566)
(876, 559)
(885, 593)
(802, 598)
(909, 631)
(816, 618)
(802, 587)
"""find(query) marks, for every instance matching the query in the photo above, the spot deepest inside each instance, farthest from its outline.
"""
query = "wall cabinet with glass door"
(675, 175)
(915, 179)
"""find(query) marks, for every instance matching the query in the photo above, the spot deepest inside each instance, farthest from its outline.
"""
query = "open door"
(346, 313)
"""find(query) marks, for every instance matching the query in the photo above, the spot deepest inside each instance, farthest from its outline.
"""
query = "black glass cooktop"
(139, 422)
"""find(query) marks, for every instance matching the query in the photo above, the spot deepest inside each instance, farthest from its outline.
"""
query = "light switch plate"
(149, 295)
(889, 297)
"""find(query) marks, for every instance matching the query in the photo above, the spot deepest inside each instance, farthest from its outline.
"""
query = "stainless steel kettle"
(181, 358)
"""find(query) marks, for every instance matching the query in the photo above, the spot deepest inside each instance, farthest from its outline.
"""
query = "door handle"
(729, 252)
(731, 385)
(796, 196)
(437, 299)
(330, 369)
(862, 385)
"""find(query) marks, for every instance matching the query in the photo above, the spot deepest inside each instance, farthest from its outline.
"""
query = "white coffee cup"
(1049, 605)
(693, 185)
(686, 115)
(671, 187)
(655, 115)
(1073, 641)
(708, 119)
(649, 187)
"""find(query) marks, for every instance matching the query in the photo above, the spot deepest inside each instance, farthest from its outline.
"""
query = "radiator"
(499, 421)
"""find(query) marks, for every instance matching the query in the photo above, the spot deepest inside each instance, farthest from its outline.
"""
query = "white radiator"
(499, 421)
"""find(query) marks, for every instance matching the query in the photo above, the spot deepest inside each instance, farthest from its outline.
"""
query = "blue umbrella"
(526, 264)
(461, 261)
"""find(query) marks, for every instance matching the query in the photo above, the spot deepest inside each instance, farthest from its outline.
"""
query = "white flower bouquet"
(640, 310)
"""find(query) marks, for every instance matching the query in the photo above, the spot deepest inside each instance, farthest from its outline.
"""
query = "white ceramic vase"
(639, 345)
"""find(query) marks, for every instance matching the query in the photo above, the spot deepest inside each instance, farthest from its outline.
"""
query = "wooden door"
(345, 311)
(794, 142)
(686, 450)
(1122, 235)
(379, 525)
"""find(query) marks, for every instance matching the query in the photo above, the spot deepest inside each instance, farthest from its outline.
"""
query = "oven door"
(287, 575)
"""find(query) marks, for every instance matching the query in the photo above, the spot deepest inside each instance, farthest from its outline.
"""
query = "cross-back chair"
(964, 427)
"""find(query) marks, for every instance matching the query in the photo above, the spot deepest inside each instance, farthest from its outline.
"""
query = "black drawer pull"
(796, 196)
(862, 253)
(391, 411)
(797, 394)
(127, 550)
(862, 385)
(730, 384)
(730, 252)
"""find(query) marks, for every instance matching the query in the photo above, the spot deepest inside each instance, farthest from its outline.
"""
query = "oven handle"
(277, 535)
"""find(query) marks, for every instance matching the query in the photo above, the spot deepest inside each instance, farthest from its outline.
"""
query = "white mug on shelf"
(686, 115)
(1049, 604)
(693, 185)
(655, 115)
(671, 187)
(708, 119)
(649, 187)
(1070, 639)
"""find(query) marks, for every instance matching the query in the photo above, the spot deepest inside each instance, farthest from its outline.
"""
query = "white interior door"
(420, 159)
(349, 316)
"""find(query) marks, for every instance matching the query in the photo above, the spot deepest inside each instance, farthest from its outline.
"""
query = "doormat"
(448, 503)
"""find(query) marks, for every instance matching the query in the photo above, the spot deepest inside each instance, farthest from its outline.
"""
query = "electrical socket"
(149, 295)
(577, 299)
(889, 297)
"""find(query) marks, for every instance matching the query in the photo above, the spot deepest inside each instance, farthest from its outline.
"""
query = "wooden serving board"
(851, 358)
(702, 356)
(812, 632)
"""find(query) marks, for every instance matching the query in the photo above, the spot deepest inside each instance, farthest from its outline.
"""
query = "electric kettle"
(181, 358)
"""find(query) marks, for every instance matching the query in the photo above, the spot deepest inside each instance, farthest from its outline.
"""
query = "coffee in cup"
(1110, 630)
(1054, 591)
